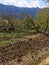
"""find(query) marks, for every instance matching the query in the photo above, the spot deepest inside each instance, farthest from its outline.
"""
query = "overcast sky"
(24, 3)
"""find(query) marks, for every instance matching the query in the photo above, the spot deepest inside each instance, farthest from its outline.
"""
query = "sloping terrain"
(7, 9)
(30, 52)
(45, 61)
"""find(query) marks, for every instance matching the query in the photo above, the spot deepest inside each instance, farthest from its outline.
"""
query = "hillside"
(6, 9)
(29, 52)
(24, 41)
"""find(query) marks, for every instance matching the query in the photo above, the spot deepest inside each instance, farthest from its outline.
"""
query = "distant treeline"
(10, 23)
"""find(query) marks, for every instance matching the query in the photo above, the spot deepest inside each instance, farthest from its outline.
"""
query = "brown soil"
(30, 52)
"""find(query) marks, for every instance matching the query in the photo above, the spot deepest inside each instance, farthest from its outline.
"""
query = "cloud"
(46, 2)
(24, 3)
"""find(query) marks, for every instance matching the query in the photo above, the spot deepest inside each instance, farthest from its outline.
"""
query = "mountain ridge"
(6, 9)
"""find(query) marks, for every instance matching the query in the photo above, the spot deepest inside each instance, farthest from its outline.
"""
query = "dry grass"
(28, 52)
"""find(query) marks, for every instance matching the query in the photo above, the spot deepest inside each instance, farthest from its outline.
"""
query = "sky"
(24, 3)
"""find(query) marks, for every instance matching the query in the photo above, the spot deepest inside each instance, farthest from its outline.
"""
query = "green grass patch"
(13, 37)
